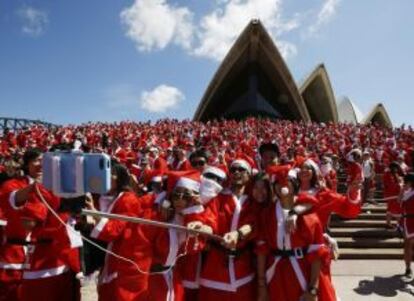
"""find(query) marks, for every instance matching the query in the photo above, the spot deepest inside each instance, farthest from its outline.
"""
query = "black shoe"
(408, 273)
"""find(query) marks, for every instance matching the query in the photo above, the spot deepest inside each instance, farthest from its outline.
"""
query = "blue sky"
(75, 61)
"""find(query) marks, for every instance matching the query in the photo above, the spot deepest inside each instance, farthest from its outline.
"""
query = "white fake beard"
(209, 189)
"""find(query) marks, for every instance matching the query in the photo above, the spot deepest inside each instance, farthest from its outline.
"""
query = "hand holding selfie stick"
(143, 221)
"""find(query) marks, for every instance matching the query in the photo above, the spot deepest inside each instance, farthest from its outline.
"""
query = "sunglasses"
(183, 195)
(235, 169)
(213, 177)
(198, 163)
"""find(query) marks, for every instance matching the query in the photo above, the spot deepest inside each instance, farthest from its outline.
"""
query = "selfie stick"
(144, 221)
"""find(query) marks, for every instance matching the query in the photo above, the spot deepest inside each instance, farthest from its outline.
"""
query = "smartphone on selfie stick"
(70, 174)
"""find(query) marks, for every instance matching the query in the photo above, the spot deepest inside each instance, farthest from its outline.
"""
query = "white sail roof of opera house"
(254, 80)
(349, 112)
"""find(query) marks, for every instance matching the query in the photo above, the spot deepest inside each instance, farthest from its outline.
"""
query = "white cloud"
(161, 98)
(156, 24)
(34, 21)
(220, 28)
(325, 15)
(153, 24)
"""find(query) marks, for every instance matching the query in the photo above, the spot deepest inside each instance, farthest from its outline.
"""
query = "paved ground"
(355, 280)
(370, 280)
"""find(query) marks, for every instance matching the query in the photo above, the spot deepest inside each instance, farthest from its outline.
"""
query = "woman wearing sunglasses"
(182, 206)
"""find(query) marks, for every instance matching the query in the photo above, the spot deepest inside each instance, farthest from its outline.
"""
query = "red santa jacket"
(126, 240)
(170, 248)
(408, 213)
(326, 202)
(12, 253)
(391, 185)
(53, 248)
(221, 271)
(181, 165)
(160, 165)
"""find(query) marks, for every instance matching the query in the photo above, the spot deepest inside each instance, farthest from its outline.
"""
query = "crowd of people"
(253, 199)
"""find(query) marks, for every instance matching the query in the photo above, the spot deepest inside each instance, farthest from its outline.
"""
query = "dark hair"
(122, 177)
(199, 153)
(314, 182)
(263, 177)
(395, 165)
(409, 178)
(269, 147)
(30, 155)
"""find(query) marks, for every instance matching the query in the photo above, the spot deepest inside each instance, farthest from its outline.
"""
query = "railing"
(18, 123)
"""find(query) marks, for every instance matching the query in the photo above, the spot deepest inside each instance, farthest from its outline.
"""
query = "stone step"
(352, 253)
(373, 243)
(372, 216)
(358, 223)
(374, 209)
(364, 233)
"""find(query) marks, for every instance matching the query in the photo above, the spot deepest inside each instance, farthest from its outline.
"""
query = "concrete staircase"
(366, 237)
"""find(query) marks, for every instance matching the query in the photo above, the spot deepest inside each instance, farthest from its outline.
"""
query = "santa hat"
(280, 173)
(189, 179)
(311, 163)
(245, 162)
(217, 171)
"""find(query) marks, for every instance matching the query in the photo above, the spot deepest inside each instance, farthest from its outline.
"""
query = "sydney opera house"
(254, 80)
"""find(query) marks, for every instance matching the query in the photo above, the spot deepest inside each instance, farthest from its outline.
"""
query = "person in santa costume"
(158, 163)
(180, 162)
(211, 183)
(50, 252)
(122, 279)
(199, 159)
(315, 198)
(228, 270)
(173, 252)
(269, 154)
(407, 201)
(329, 173)
(354, 167)
(291, 264)
(14, 248)
(392, 183)
(54, 259)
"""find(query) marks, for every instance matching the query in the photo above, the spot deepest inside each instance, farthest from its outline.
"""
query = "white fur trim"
(299, 273)
(189, 184)
(3, 223)
(271, 271)
(156, 179)
(193, 210)
(74, 236)
(216, 171)
(14, 266)
(12, 200)
(160, 197)
(223, 286)
(242, 163)
(45, 273)
(99, 227)
(407, 195)
(173, 250)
